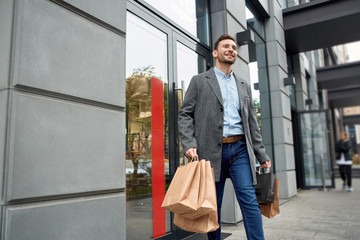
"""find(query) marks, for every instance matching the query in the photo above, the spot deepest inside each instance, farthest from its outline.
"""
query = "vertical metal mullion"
(173, 152)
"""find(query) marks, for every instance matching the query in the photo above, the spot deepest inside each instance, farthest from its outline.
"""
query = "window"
(191, 15)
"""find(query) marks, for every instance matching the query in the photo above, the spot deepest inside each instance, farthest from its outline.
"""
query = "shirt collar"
(223, 75)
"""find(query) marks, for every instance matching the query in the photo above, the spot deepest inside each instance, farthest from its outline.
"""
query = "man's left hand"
(266, 164)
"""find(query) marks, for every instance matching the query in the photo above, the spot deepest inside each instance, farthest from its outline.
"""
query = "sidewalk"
(312, 214)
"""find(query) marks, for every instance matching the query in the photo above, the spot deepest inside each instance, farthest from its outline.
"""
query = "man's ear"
(215, 53)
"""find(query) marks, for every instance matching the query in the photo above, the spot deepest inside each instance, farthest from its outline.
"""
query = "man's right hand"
(191, 153)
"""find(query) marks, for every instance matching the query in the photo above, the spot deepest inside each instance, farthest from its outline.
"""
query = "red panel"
(158, 175)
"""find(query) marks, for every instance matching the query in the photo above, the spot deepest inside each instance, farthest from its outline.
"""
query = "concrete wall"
(62, 119)
(280, 102)
(304, 71)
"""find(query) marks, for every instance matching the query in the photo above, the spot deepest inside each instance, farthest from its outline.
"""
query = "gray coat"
(201, 120)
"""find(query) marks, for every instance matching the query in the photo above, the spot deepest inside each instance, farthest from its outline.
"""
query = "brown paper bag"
(183, 192)
(204, 224)
(272, 209)
(207, 192)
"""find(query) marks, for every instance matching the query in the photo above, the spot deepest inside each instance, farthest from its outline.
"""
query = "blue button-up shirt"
(230, 97)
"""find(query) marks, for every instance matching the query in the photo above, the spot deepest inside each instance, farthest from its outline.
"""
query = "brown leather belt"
(232, 139)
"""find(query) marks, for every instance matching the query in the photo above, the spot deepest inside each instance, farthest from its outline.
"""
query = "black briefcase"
(265, 187)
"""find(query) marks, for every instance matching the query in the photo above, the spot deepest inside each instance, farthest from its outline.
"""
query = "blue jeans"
(235, 164)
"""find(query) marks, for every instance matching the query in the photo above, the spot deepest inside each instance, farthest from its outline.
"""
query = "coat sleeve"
(186, 118)
(258, 146)
(343, 146)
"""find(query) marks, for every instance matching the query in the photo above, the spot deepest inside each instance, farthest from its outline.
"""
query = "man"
(344, 160)
(217, 122)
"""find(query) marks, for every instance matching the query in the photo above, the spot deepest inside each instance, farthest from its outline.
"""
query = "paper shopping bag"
(203, 224)
(265, 187)
(183, 192)
(207, 192)
(272, 209)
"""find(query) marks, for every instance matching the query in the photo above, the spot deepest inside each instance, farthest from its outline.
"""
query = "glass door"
(159, 61)
(189, 59)
(147, 139)
(315, 149)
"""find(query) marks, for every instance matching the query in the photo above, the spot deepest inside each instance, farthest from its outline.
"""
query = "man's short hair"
(222, 37)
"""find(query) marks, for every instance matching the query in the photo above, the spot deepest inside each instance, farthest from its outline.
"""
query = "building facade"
(89, 95)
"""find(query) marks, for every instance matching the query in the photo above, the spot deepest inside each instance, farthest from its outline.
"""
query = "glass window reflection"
(189, 63)
(315, 149)
(255, 20)
(146, 66)
(192, 15)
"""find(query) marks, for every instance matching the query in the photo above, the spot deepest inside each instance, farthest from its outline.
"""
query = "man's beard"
(230, 62)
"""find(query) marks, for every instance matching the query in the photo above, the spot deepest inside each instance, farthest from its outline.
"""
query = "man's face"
(226, 52)
(343, 136)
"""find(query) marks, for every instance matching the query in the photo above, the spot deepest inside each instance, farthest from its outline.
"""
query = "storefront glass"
(192, 15)
(315, 152)
(146, 125)
(159, 66)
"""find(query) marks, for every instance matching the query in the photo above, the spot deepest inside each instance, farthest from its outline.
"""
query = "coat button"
(220, 127)
(219, 144)
(221, 109)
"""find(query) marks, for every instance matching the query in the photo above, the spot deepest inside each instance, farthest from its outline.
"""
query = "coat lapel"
(241, 90)
(214, 84)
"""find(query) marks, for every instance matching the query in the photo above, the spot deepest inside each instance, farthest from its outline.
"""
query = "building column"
(280, 102)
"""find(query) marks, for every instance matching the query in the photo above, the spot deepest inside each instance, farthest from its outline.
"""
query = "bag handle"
(196, 158)
(267, 170)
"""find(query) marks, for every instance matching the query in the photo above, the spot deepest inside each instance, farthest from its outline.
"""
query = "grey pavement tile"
(354, 224)
(310, 228)
(331, 236)
(326, 238)
(341, 218)
(353, 232)
(280, 225)
(355, 219)
(309, 219)
(336, 231)
(273, 236)
(293, 238)
(299, 234)
(333, 225)
(354, 235)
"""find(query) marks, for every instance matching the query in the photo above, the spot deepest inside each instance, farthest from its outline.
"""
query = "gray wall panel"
(92, 218)
(110, 11)
(3, 125)
(6, 14)
(59, 51)
(59, 147)
(237, 9)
